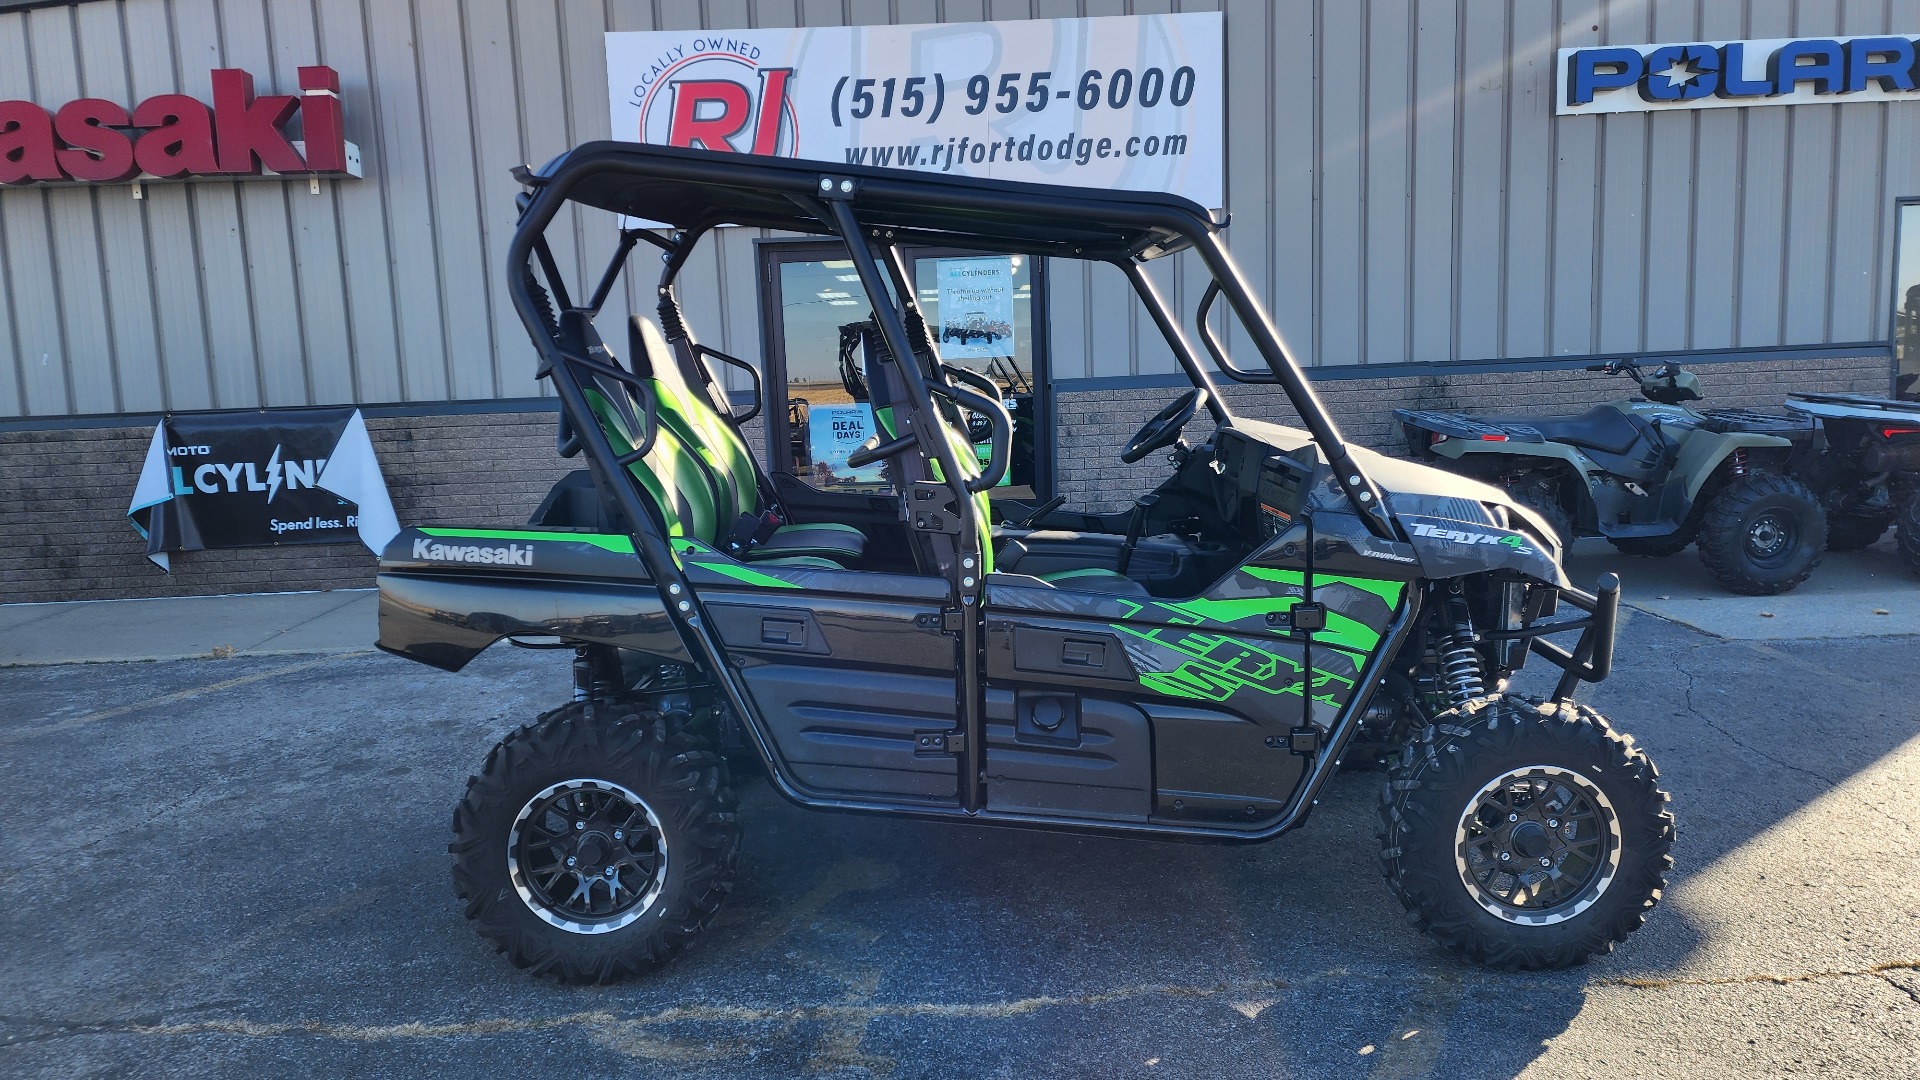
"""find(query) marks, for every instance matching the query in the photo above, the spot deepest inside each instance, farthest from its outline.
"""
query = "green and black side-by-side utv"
(1281, 603)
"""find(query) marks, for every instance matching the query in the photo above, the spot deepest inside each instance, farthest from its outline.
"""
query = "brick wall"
(63, 492)
(1092, 426)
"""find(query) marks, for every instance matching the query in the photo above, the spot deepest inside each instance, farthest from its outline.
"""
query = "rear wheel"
(1852, 532)
(1909, 534)
(593, 846)
(1525, 835)
(1543, 498)
(1762, 534)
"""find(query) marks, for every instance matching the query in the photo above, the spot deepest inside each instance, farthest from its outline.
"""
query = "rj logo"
(711, 114)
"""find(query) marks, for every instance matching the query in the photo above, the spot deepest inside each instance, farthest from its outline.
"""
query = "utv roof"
(698, 189)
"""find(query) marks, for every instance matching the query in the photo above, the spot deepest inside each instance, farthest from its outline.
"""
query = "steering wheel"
(1164, 429)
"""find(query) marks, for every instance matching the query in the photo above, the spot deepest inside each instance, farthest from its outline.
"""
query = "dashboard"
(1260, 488)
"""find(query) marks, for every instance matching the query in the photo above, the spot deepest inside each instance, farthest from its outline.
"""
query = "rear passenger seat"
(740, 488)
(674, 475)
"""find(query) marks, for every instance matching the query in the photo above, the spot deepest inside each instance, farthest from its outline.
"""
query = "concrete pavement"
(187, 627)
(1850, 594)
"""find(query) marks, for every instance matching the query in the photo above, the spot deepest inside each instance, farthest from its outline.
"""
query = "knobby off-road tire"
(1762, 534)
(1488, 778)
(1538, 496)
(1908, 534)
(1853, 532)
(623, 792)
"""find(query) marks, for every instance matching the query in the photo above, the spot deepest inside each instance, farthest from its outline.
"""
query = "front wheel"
(1762, 534)
(595, 843)
(1525, 835)
(1908, 534)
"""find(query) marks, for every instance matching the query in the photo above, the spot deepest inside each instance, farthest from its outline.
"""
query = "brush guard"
(1591, 658)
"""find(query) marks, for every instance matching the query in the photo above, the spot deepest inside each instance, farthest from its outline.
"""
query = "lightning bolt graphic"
(273, 474)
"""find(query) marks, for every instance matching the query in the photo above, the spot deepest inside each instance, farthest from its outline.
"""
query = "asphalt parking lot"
(236, 867)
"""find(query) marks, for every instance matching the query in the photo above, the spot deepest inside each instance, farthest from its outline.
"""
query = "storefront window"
(826, 410)
(980, 309)
(1906, 303)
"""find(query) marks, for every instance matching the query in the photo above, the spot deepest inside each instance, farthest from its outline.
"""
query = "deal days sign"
(176, 137)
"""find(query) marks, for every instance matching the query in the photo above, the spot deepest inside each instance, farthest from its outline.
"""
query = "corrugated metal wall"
(1400, 192)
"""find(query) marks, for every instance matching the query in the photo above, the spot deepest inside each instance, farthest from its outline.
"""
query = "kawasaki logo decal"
(1458, 536)
(511, 555)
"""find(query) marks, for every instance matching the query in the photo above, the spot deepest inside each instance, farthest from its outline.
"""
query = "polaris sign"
(1732, 74)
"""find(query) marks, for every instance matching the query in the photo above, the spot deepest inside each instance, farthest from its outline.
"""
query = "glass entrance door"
(986, 312)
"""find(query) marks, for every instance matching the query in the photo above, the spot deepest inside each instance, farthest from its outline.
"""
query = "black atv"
(1281, 601)
(1650, 475)
(1866, 467)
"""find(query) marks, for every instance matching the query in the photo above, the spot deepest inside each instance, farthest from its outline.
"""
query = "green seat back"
(670, 474)
(689, 412)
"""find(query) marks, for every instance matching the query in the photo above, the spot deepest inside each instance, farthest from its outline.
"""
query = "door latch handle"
(1090, 654)
(783, 632)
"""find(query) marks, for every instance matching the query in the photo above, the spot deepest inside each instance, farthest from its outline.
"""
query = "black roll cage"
(824, 199)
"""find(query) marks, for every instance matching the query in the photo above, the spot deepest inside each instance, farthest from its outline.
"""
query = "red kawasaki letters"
(172, 135)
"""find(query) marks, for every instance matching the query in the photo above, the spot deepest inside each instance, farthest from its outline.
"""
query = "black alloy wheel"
(596, 842)
(587, 855)
(1538, 845)
(1523, 834)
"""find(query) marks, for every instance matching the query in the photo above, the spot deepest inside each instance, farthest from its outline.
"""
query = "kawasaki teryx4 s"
(1281, 602)
(1650, 475)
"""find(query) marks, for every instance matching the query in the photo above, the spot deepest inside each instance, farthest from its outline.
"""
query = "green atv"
(1280, 604)
(1650, 475)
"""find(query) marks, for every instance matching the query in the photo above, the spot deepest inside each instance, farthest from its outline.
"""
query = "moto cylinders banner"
(285, 476)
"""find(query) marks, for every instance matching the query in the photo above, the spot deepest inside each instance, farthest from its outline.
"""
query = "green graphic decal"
(1215, 667)
(619, 545)
(1386, 590)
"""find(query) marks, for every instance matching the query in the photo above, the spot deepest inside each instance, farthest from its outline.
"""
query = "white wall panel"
(1400, 190)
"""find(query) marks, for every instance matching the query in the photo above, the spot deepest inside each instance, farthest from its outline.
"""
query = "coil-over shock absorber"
(1463, 676)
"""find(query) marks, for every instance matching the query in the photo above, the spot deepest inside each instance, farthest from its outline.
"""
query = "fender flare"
(1566, 455)
(1704, 451)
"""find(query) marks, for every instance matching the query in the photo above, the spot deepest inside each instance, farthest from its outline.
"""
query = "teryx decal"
(1461, 536)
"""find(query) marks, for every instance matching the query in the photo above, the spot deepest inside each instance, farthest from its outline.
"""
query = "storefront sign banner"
(1735, 74)
(833, 432)
(290, 476)
(176, 137)
(1133, 101)
(976, 307)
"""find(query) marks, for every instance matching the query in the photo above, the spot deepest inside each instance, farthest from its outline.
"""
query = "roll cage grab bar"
(548, 193)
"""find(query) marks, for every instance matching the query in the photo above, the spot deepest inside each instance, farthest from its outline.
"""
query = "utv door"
(1122, 706)
(849, 669)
